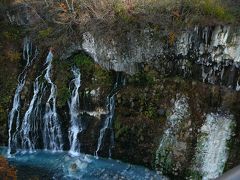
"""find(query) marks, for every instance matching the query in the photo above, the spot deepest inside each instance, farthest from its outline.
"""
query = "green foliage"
(174, 13)
(119, 128)
(63, 96)
(151, 112)
(13, 55)
(45, 33)
(82, 59)
(85, 64)
(10, 33)
(102, 76)
(210, 10)
(121, 11)
(62, 71)
(91, 71)
(143, 78)
(214, 8)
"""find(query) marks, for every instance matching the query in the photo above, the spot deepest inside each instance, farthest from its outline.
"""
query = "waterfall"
(35, 122)
(76, 126)
(179, 113)
(14, 113)
(30, 126)
(108, 122)
(14, 116)
(52, 135)
(238, 86)
(212, 150)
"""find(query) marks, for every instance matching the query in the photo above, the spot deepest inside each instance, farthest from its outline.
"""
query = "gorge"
(165, 100)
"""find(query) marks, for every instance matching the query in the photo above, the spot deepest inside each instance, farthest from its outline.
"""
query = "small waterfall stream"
(179, 113)
(14, 116)
(29, 126)
(108, 122)
(73, 104)
(212, 150)
(52, 135)
(14, 113)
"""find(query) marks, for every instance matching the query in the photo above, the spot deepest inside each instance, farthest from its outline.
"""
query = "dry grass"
(108, 10)
(66, 17)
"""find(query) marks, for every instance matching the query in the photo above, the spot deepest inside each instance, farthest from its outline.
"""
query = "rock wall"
(208, 54)
(147, 110)
(198, 67)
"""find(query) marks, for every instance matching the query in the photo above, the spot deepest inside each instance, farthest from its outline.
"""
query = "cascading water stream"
(52, 135)
(107, 123)
(109, 119)
(14, 113)
(14, 116)
(179, 113)
(29, 126)
(36, 122)
(27, 51)
(73, 104)
(212, 150)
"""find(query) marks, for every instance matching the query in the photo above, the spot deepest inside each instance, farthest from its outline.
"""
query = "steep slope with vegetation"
(173, 54)
(66, 19)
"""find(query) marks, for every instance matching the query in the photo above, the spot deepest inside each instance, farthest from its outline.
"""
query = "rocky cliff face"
(209, 54)
(179, 93)
(23, 15)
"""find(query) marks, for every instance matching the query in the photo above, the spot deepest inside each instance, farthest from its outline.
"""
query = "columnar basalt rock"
(209, 54)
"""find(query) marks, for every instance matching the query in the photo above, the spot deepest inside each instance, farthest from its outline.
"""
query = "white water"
(14, 113)
(52, 135)
(212, 150)
(14, 116)
(109, 118)
(238, 86)
(73, 104)
(180, 112)
(27, 50)
(107, 123)
(29, 124)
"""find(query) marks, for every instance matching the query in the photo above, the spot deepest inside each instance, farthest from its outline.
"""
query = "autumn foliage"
(6, 171)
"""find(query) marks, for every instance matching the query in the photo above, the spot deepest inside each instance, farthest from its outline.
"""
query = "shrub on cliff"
(83, 11)
(64, 20)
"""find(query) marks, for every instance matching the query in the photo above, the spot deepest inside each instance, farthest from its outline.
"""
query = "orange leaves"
(63, 7)
(6, 171)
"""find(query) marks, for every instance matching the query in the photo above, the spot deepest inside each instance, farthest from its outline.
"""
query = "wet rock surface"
(207, 54)
(201, 66)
